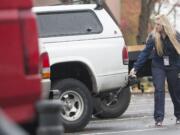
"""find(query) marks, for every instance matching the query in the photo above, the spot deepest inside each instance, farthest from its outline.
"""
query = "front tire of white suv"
(112, 104)
(78, 104)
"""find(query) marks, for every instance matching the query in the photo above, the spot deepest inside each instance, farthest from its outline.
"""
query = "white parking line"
(122, 119)
(126, 131)
(147, 100)
(143, 104)
(140, 111)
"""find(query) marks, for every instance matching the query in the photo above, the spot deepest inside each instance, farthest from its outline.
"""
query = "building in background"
(115, 7)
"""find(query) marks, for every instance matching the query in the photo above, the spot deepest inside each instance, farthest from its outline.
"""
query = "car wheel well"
(76, 70)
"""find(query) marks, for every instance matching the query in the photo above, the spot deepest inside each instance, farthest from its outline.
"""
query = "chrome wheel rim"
(73, 105)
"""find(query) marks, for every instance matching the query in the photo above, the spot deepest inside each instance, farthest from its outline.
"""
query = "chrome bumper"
(46, 86)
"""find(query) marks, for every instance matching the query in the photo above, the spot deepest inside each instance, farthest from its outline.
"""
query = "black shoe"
(178, 121)
(158, 123)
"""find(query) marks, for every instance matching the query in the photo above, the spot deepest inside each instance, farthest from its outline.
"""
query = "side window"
(68, 23)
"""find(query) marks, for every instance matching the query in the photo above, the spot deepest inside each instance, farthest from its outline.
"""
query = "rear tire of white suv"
(78, 104)
(112, 105)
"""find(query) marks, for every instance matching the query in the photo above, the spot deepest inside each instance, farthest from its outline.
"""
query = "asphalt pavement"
(137, 120)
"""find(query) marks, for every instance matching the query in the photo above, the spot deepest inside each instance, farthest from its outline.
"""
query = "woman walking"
(163, 44)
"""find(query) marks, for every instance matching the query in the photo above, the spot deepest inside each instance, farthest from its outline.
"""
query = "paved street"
(137, 120)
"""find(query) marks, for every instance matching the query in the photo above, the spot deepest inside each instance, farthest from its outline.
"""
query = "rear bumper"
(111, 82)
(46, 86)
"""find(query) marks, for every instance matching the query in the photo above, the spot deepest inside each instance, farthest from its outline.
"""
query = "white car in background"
(88, 59)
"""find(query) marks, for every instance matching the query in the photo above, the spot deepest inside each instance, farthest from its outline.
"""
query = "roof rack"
(99, 3)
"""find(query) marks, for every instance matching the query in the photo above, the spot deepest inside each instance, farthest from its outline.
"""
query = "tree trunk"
(87, 1)
(76, 1)
(147, 7)
(66, 1)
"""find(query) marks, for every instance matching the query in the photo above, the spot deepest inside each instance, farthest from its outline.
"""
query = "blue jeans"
(159, 75)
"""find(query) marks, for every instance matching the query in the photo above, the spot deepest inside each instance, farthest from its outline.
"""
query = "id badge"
(178, 75)
(166, 60)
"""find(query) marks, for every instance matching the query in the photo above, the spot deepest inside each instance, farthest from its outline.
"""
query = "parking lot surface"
(137, 120)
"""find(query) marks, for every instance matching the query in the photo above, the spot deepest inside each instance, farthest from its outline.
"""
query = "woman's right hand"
(132, 72)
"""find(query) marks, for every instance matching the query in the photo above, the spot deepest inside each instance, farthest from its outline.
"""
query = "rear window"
(68, 23)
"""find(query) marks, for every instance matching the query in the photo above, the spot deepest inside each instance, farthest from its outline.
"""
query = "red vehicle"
(20, 86)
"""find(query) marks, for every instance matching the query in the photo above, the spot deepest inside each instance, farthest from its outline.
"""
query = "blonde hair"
(170, 32)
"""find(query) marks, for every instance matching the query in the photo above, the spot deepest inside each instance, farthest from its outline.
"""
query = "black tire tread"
(86, 96)
(101, 112)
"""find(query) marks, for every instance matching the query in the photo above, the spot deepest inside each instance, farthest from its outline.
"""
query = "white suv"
(88, 59)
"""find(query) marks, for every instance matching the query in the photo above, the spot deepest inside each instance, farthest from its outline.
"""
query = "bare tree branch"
(147, 7)
(160, 5)
(173, 7)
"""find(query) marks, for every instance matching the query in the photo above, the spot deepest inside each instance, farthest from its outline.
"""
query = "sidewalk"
(147, 85)
(139, 91)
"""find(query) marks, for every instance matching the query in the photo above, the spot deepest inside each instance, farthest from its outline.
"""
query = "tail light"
(30, 42)
(45, 66)
(125, 56)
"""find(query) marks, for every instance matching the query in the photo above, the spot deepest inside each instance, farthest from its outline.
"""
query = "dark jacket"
(157, 61)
